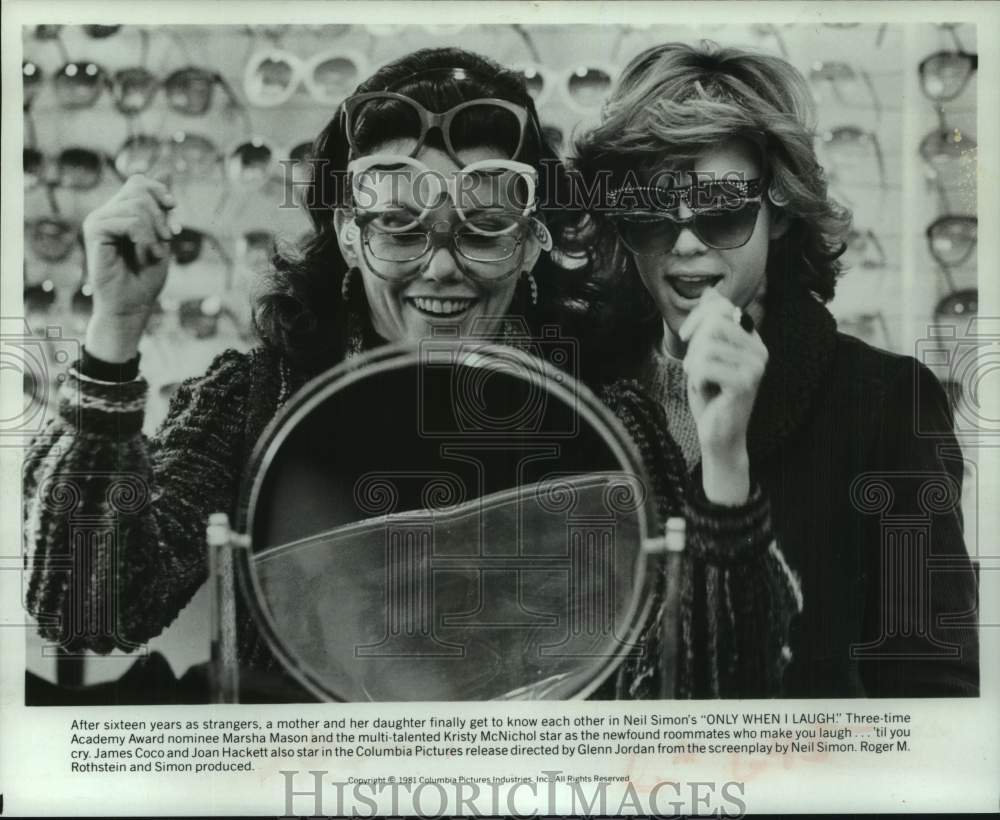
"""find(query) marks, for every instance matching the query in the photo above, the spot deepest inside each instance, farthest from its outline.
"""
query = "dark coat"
(854, 446)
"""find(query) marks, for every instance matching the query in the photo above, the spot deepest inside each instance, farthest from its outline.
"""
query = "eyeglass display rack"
(873, 114)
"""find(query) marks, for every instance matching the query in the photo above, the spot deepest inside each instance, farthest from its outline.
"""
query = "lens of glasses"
(940, 147)
(192, 154)
(83, 300)
(651, 234)
(588, 87)
(189, 90)
(333, 79)
(133, 89)
(34, 167)
(31, 76)
(962, 303)
(271, 79)
(943, 75)
(39, 298)
(534, 81)
(52, 239)
(372, 120)
(138, 155)
(100, 32)
(485, 124)
(78, 85)
(490, 237)
(951, 239)
(186, 246)
(200, 317)
(250, 161)
(50, 32)
(80, 169)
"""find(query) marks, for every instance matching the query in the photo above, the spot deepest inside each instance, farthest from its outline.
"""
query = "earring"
(529, 277)
(345, 285)
(778, 197)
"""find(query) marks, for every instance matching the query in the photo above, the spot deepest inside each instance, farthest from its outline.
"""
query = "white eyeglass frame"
(303, 73)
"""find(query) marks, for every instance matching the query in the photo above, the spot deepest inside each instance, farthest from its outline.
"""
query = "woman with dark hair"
(714, 247)
(391, 170)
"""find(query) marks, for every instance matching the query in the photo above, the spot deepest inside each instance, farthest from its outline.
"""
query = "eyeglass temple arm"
(529, 41)
(876, 100)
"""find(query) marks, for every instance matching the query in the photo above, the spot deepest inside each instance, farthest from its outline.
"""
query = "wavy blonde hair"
(674, 101)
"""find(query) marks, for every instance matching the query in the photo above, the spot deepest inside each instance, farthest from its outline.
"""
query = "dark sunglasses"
(187, 246)
(494, 122)
(190, 90)
(952, 239)
(959, 304)
(944, 74)
(40, 299)
(723, 215)
(79, 169)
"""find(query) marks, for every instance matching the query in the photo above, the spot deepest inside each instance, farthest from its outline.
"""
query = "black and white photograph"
(634, 360)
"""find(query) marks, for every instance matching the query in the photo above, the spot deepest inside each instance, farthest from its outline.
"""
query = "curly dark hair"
(672, 102)
(300, 311)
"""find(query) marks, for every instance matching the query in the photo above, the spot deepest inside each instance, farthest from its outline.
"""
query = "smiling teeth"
(442, 306)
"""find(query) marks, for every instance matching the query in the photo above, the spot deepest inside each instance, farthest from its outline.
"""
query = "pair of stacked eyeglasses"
(396, 197)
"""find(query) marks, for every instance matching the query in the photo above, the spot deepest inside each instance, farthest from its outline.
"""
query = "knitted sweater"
(93, 464)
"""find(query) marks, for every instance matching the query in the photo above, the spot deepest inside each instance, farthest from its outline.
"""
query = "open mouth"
(691, 287)
(441, 308)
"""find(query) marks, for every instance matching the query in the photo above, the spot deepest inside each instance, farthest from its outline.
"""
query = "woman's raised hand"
(724, 365)
(127, 242)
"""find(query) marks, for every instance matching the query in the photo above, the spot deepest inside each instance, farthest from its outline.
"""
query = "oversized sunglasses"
(952, 239)
(271, 77)
(723, 215)
(76, 168)
(944, 74)
(497, 123)
(42, 298)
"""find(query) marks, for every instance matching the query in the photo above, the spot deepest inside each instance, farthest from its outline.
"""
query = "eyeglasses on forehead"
(497, 123)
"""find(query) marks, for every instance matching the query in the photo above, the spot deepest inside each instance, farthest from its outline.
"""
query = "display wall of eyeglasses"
(220, 108)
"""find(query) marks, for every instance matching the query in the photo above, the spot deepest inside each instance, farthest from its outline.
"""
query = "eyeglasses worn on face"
(485, 239)
(723, 215)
